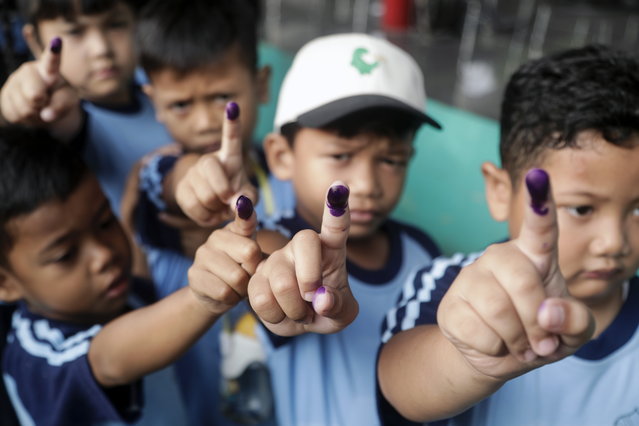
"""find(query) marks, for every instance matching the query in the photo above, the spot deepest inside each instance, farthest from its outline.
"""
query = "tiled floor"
(467, 48)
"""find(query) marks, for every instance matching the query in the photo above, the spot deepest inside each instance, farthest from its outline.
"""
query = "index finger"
(245, 219)
(49, 62)
(336, 219)
(231, 146)
(539, 234)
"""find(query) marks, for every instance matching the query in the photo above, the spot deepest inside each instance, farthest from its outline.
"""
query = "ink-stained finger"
(231, 134)
(336, 219)
(49, 62)
(245, 221)
(538, 236)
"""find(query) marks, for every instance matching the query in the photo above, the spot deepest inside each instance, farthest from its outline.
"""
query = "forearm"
(426, 378)
(149, 338)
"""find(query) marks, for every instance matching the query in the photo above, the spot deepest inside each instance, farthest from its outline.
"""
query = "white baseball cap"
(335, 75)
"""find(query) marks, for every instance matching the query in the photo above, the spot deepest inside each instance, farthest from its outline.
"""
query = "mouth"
(105, 73)
(604, 274)
(210, 147)
(363, 216)
(118, 287)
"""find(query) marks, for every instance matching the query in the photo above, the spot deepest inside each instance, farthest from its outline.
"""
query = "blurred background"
(467, 48)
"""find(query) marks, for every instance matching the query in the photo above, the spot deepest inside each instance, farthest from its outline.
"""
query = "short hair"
(34, 169)
(549, 101)
(388, 122)
(187, 35)
(34, 11)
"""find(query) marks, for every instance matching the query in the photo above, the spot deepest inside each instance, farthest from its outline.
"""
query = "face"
(373, 167)
(71, 259)
(192, 105)
(98, 56)
(596, 190)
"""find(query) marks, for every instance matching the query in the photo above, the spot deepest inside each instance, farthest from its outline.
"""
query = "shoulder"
(422, 293)
(416, 234)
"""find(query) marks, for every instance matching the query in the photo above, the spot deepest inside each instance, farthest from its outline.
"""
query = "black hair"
(34, 11)
(187, 35)
(549, 101)
(34, 169)
(387, 122)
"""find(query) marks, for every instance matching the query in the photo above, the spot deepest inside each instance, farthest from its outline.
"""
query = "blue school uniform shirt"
(329, 379)
(198, 370)
(596, 386)
(114, 139)
(49, 380)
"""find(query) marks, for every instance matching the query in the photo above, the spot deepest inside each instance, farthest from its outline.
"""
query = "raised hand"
(223, 265)
(303, 287)
(205, 190)
(510, 311)
(36, 94)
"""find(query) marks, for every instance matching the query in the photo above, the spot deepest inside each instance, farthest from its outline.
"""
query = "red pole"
(396, 14)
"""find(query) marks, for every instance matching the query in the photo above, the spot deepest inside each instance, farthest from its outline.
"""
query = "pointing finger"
(231, 148)
(336, 219)
(49, 62)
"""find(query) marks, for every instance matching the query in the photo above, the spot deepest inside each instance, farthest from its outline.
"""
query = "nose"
(612, 238)
(102, 254)
(206, 117)
(364, 181)
(98, 43)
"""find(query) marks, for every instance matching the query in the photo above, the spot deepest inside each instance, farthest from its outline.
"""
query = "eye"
(223, 98)
(180, 107)
(74, 31)
(580, 211)
(395, 161)
(118, 24)
(108, 221)
(66, 256)
(635, 211)
(341, 157)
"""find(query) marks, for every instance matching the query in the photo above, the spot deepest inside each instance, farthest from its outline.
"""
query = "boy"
(348, 110)
(201, 59)
(82, 86)
(65, 262)
(568, 273)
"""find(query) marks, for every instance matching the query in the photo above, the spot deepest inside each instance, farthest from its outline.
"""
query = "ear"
(498, 191)
(148, 91)
(264, 84)
(279, 156)
(31, 38)
(10, 290)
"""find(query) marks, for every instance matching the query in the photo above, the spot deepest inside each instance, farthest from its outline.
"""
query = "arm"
(36, 95)
(507, 313)
(152, 337)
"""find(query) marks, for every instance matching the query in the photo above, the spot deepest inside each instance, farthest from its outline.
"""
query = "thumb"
(245, 220)
(568, 318)
(49, 62)
(538, 237)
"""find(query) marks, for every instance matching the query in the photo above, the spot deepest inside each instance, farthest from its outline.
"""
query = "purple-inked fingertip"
(538, 184)
(56, 45)
(318, 293)
(232, 111)
(337, 199)
(244, 207)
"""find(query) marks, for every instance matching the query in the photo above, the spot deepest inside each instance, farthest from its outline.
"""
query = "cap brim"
(335, 110)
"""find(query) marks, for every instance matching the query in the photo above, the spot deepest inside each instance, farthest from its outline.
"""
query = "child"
(348, 110)
(85, 52)
(201, 59)
(574, 115)
(65, 261)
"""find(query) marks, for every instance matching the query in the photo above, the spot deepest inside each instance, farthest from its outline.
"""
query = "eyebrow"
(66, 236)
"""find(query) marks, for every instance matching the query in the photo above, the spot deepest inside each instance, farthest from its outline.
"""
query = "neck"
(370, 252)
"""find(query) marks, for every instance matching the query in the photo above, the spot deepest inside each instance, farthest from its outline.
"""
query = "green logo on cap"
(360, 63)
